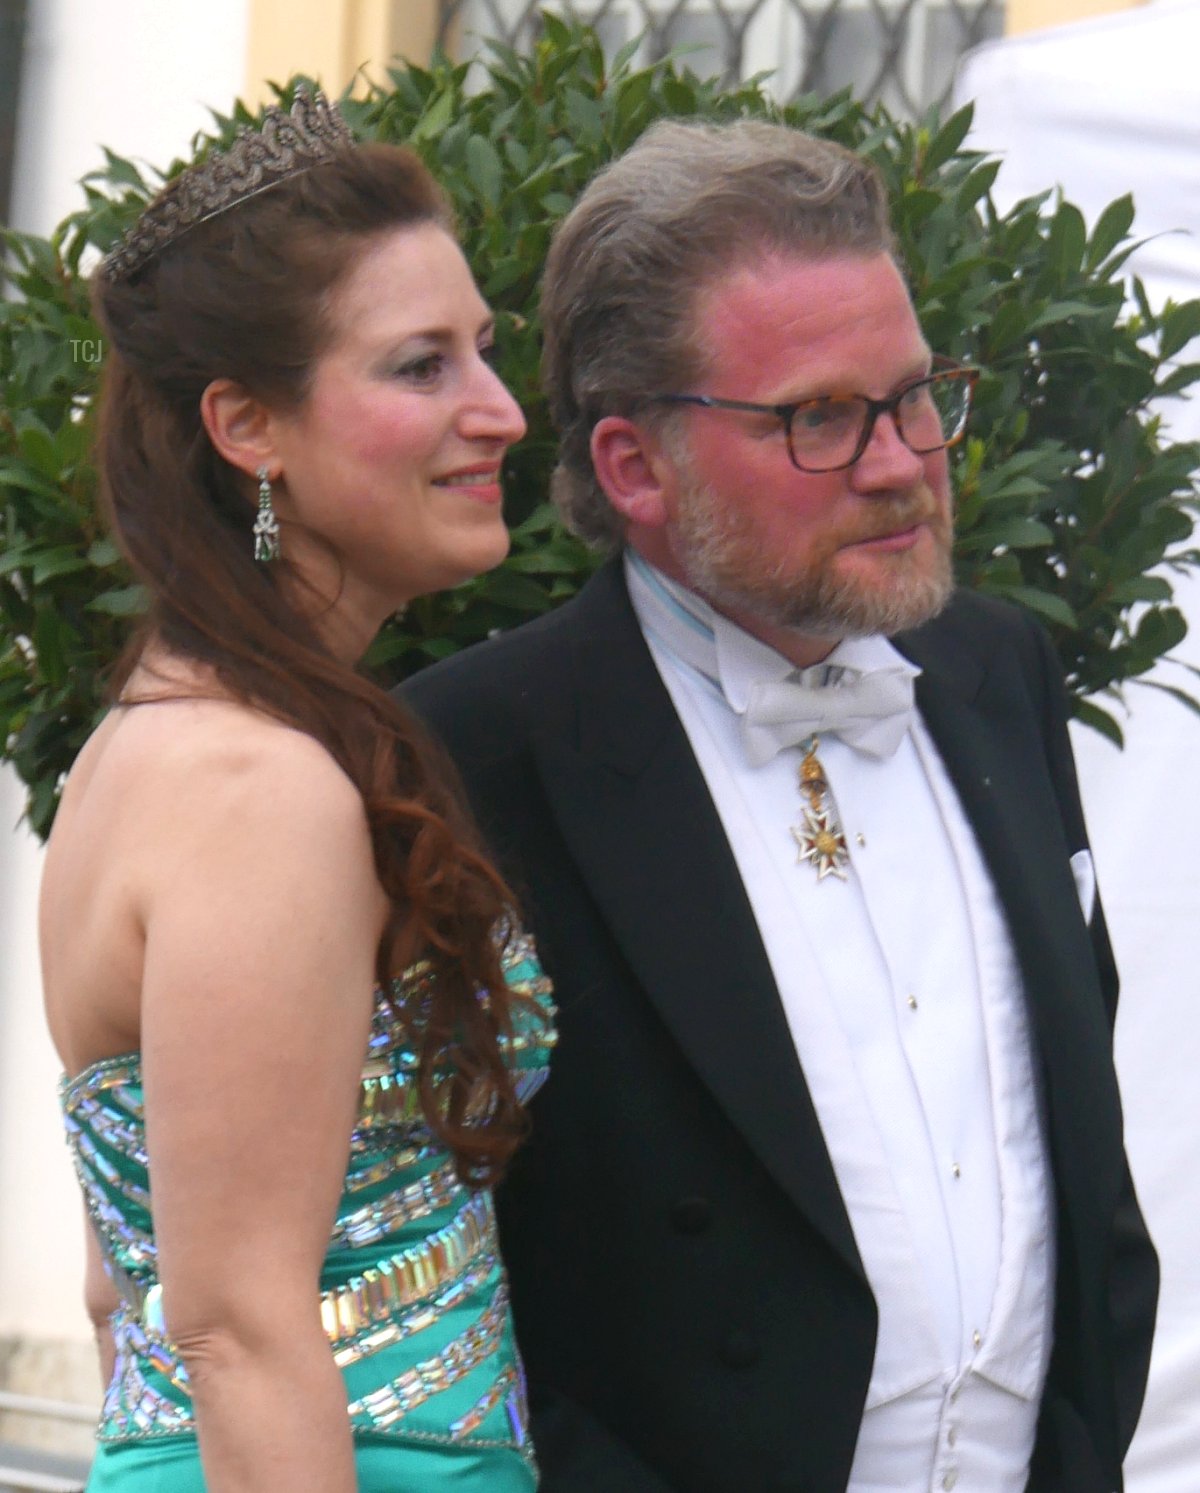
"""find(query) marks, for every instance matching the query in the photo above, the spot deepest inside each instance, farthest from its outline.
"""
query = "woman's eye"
(490, 354)
(423, 370)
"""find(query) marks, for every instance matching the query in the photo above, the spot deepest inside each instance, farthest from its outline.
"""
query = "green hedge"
(1070, 497)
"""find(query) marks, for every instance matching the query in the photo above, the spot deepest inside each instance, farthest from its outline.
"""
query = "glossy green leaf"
(484, 168)
(948, 139)
(121, 601)
(1179, 325)
(1100, 720)
(435, 118)
(1045, 603)
(1111, 227)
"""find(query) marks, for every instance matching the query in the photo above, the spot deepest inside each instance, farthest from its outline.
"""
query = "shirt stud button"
(912, 1003)
(956, 1169)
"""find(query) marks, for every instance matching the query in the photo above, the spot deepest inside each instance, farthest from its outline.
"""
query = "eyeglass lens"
(829, 433)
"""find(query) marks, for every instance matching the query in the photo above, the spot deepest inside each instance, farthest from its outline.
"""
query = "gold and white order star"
(819, 836)
(821, 841)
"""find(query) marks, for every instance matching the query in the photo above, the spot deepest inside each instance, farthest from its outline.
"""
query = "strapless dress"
(413, 1296)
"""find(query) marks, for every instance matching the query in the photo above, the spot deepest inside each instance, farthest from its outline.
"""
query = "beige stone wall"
(414, 29)
(1034, 15)
(334, 40)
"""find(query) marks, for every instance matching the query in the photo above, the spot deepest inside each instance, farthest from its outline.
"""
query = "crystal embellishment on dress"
(413, 1296)
(374, 1221)
(384, 1407)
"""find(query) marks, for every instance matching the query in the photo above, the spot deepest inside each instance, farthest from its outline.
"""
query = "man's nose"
(886, 462)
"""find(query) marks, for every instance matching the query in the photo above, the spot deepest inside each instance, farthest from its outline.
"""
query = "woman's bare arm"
(262, 915)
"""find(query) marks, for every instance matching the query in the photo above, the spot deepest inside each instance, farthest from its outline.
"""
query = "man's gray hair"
(686, 203)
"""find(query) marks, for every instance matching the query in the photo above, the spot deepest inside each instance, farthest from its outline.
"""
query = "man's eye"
(917, 394)
(810, 417)
(826, 415)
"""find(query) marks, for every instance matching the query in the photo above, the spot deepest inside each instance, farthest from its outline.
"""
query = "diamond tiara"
(285, 145)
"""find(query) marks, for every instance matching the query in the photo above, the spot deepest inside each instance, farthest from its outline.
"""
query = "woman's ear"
(240, 427)
(632, 470)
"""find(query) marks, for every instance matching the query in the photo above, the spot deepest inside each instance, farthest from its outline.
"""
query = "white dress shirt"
(905, 1003)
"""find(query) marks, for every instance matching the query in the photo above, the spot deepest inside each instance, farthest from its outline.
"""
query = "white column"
(135, 75)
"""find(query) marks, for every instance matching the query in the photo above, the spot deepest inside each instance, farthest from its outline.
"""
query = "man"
(827, 1189)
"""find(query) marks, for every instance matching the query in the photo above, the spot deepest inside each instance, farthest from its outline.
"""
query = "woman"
(301, 430)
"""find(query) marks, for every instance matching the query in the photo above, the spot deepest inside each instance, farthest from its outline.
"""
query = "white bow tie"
(869, 711)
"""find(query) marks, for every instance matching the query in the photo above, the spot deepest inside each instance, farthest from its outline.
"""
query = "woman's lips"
(481, 483)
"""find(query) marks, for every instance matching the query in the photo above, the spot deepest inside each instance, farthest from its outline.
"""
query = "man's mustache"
(893, 515)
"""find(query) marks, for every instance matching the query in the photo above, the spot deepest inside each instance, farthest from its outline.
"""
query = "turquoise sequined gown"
(413, 1293)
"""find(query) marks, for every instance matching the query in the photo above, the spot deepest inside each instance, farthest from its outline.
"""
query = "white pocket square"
(1084, 871)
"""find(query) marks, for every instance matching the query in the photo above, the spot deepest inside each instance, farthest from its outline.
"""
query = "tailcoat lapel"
(633, 806)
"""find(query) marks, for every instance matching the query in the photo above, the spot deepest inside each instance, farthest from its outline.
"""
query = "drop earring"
(266, 525)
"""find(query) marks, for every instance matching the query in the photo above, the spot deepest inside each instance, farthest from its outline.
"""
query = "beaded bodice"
(413, 1296)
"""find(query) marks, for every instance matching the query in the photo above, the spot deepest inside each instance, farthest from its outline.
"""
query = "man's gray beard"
(728, 567)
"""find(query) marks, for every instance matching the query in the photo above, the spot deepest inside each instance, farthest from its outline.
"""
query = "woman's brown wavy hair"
(247, 296)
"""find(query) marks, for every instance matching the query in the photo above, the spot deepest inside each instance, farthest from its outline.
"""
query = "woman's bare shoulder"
(184, 814)
(181, 750)
(202, 784)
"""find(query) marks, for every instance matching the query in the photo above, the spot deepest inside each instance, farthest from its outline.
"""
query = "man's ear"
(240, 427)
(633, 471)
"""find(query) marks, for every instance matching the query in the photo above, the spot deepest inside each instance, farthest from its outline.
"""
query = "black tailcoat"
(688, 1294)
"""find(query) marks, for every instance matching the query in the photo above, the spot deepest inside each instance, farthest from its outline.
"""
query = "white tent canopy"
(1101, 108)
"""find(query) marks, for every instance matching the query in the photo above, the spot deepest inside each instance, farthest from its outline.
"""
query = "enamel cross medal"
(819, 836)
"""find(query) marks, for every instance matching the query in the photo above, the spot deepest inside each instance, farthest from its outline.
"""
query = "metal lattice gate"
(901, 53)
